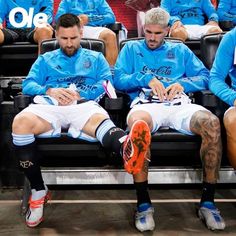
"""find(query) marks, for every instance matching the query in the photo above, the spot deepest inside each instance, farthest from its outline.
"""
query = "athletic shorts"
(177, 117)
(18, 35)
(72, 117)
(197, 31)
(92, 32)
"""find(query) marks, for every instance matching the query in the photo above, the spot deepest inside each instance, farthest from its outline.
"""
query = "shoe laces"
(142, 214)
(39, 202)
(214, 211)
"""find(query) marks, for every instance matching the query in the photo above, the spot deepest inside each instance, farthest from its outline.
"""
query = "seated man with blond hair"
(157, 74)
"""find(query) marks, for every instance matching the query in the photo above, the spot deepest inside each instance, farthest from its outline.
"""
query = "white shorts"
(197, 31)
(92, 32)
(140, 22)
(176, 117)
(73, 117)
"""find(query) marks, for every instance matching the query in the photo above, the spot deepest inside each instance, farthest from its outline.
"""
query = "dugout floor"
(94, 210)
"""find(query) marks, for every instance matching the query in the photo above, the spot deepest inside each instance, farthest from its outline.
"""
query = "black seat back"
(92, 44)
(168, 39)
(209, 45)
(17, 58)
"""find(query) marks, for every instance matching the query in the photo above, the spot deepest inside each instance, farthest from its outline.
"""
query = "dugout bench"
(175, 156)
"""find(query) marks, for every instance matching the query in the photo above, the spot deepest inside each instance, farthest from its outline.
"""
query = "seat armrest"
(206, 98)
(112, 104)
(120, 103)
(117, 108)
(210, 101)
(226, 25)
(1, 95)
(21, 102)
(116, 27)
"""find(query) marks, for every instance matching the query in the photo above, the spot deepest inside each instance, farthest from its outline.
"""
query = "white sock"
(39, 194)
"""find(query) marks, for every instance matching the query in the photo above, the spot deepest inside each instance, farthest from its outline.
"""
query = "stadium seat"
(209, 45)
(17, 58)
(92, 44)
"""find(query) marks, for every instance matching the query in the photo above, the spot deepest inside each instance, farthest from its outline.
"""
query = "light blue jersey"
(190, 12)
(98, 11)
(43, 6)
(227, 10)
(86, 69)
(171, 63)
(224, 65)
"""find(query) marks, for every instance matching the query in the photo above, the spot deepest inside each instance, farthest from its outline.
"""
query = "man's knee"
(215, 124)
(97, 118)
(180, 33)
(140, 115)
(21, 122)
(29, 123)
(108, 36)
(205, 124)
(42, 33)
(230, 120)
(214, 29)
(1, 37)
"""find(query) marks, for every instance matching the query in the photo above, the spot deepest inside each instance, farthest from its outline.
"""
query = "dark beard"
(70, 54)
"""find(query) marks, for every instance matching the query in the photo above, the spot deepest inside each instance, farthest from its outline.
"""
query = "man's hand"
(158, 88)
(176, 25)
(84, 19)
(44, 25)
(64, 96)
(173, 90)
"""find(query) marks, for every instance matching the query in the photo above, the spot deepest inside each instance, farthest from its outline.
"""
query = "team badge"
(170, 55)
(87, 64)
(91, 6)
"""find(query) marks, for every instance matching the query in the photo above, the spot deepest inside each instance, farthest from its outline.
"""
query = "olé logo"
(27, 18)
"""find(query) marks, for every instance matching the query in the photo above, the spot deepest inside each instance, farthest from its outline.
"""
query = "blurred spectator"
(141, 6)
(227, 11)
(25, 21)
(188, 18)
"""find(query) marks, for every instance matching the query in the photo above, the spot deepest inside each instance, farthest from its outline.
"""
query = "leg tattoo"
(207, 126)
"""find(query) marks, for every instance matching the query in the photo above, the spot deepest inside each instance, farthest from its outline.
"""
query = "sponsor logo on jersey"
(162, 70)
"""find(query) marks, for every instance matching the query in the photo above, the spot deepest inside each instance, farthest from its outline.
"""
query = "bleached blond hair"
(157, 16)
